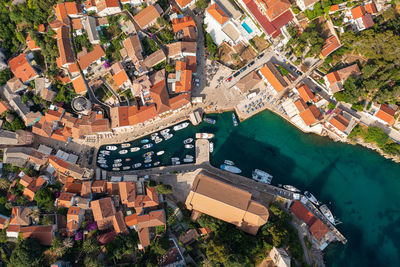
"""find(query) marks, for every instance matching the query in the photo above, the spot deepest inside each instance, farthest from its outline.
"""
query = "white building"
(107, 7)
(305, 4)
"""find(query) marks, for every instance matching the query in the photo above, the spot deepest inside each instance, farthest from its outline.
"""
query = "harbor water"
(359, 186)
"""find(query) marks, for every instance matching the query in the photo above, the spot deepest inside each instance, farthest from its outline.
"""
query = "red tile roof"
(386, 114)
(79, 85)
(217, 13)
(371, 8)
(331, 44)
(180, 23)
(311, 115)
(358, 12)
(147, 15)
(22, 69)
(301, 212)
(43, 233)
(92, 56)
(339, 122)
(318, 229)
(273, 8)
(183, 3)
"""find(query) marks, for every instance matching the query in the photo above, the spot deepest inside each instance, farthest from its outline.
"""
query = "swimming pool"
(246, 27)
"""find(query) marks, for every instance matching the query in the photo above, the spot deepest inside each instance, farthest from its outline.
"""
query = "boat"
(122, 152)
(204, 135)
(147, 160)
(111, 148)
(261, 176)
(104, 152)
(148, 154)
(189, 146)
(181, 126)
(148, 165)
(134, 149)
(144, 141)
(176, 163)
(235, 122)
(147, 157)
(154, 135)
(189, 157)
(126, 168)
(291, 188)
(158, 140)
(104, 165)
(209, 120)
(146, 146)
(102, 161)
(117, 165)
(117, 160)
(156, 163)
(311, 197)
(137, 165)
(165, 131)
(187, 160)
(229, 162)
(327, 213)
(159, 153)
(125, 145)
(211, 147)
(168, 136)
(100, 157)
(188, 141)
(127, 159)
(230, 168)
(175, 159)
(115, 169)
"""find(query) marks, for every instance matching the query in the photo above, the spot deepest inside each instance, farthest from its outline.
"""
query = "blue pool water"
(247, 28)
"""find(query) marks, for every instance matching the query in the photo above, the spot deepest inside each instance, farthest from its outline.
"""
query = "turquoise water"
(361, 188)
(247, 28)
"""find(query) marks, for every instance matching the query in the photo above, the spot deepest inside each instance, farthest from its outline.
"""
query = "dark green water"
(361, 188)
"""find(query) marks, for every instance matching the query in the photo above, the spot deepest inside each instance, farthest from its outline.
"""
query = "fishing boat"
(187, 160)
(291, 188)
(165, 131)
(127, 159)
(235, 122)
(153, 136)
(156, 163)
(117, 165)
(148, 154)
(148, 165)
(147, 160)
(181, 126)
(137, 165)
(209, 120)
(102, 161)
(204, 135)
(105, 152)
(211, 147)
(146, 146)
(188, 141)
(230, 168)
(126, 168)
(261, 176)
(117, 160)
(311, 197)
(104, 165)
(229, 162)
(134, 149)
(327, 213)
(189, 146)
(111, 148)
(159, 153)
(125, 145)
(144, 141)
(158, 140)
(115, 169)
(124, 151)
(168, 136)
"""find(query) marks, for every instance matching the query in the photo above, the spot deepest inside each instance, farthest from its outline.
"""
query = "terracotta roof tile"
(79, 85)
(301, 212)
(21, 68)
(311, 115)
(318, 229)
(305, 93)
(331, 44)
(271, 73)
(148, 15)
(85, 60)
(386, 114)
(181, 23)
(358, 12)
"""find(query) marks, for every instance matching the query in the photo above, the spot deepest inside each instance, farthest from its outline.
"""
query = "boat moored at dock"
(122, 152)
(204, 135)
(111, 148)
(235, 122)
(311, 197)
(159, 153)
(291, 188)
(230, 168)
(188, 141)
(134, 149)
(261, 176)
(125, 145)
(210, 121)
(146, 146)
(189, 146)
(327, 213)
(181, 126)
(144, 141)
(229, 162)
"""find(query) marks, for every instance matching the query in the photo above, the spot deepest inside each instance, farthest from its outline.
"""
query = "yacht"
(209, 120)
(165, 131)
(211, 147)
(111, 148)
(291, 188)
(181, 126)
(168, 136)
(148, 154)
(126, 168)
(156, 163)
(235, 122)
(229, 162)
(134, 149)
(117, 160)
(327, 213)
(158, 140)
(311, 197)
(137, 165)
(122, 152)
(117, 165)
(187, 160)
(188, 141)
(146, 146)
(144, 141)
(125, 145)
(159, 153)
(204, 135)
(261, 176)
(115, 169)
(189, 146)
(230, 168)
(101, 161)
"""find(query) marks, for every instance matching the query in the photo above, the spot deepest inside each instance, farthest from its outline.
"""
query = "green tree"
(90, 246)
(28, 252)
(376, 135)
(212, 48)
(164, 189)
(45, 198)
(169, 68)
(217, 252)
(161, 245)
(5, 75)
(123, 245)
(202, 4)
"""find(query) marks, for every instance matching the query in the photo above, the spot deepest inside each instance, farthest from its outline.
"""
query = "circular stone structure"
(81, 105)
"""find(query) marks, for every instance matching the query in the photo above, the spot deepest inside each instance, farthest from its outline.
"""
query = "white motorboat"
(235, 122)
(125, 145)
(229, 162)
(134, 149)
(327, 213)
(189, 146)
(261, 176)
(127, 159)
(159, 153)
(181, 126)
(187, 160)
(148, 160)
(117, 160)
(126, 168)
(176, 163)
(156, 163)
(204, 135)
(158, 140)
(137, 165)
(122, 152)
(189, 157)
(188, 141)
(104, 165)
(148, 154)
(211, 147)
(115, 169)
(153, 136)
(311, 197)
(100, 157)
(165, 131)
(117, 165)
(230, 168)
(175, 159)
(291, 188)
(146, 146)
(168, 136)
(105, 152)
(111, 148)
(101, 161)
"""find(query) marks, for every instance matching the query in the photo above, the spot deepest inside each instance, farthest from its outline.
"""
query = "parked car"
(236, 74)
(250, 64)
(299, 72)
(292, 68)
(243, 69)
(260, 55)
(229, 79)
(197, 80)
(196, 84)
